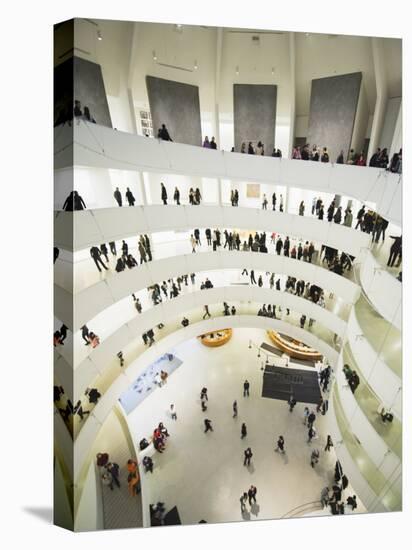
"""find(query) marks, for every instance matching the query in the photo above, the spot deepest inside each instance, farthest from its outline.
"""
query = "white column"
(142, 188)
(130, 76)
(292, 68)
(219, 41)
(381, 95)
(397, 135)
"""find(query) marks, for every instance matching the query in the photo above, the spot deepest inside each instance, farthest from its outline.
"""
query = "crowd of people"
(379, 159)
(126, 260)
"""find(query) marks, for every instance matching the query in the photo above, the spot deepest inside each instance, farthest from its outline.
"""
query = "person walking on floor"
(291, 403)
(280, 445)
(208, 425)
(329, 444)
(176, 196)
(311, 419)
(246, 387)
(324, 497)
(173, 413)
(243, 500)
(311, 434)
(243, 431)
(114, 470)
(207, 313)
(252, 494)
(314, 457)
(305, 415)
(248, 455)
(234, 409)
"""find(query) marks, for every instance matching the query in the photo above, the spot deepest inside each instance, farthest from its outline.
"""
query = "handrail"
(314, 505)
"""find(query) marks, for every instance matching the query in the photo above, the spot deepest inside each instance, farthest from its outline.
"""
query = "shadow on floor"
(44, 513)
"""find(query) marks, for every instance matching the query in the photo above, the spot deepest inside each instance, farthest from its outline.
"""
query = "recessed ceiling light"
(273, 70)
(237, 70)
(307, 33)
(196, 65)
(99, 35)
(154, 56)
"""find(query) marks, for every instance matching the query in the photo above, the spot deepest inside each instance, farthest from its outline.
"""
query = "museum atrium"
(176, 260)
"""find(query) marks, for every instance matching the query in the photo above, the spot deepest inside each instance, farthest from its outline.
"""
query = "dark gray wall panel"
(176, 105)
(254, 114)
(333, 104)
(90, 91)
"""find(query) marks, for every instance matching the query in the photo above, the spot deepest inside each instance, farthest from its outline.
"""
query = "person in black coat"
(279, 246)
(85, 334)
(94, 395)
(176, 196)
(125, 248)
(337, 218)
(331, 210)
(252, 494)
(118, 197)
(63, 333)
(395, 250)
(243, 431)
(248, 455)
(208, 234)
(340, 160)
(163, 193)
(163, 133)
(130, 198)
(95, 254)
(104, 252)
(74, 202)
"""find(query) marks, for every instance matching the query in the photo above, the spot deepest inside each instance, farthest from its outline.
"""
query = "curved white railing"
(383, 290)
(82, 229)
(99, 146)
(98, 297)
(100, 358)
(377, 492)
(375, 447)
(178, 334)
(381, 378)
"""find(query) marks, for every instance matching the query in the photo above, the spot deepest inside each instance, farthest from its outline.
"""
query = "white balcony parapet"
(103, 147)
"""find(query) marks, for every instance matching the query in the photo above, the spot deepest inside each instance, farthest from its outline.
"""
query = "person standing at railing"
(395, 250)
(118, 196)
(130, 198)
(163, 193)
(163, 133)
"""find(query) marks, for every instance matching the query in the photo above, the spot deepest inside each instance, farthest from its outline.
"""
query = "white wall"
(89, 515)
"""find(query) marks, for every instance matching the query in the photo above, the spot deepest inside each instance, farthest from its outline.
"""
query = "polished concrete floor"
(203, 474)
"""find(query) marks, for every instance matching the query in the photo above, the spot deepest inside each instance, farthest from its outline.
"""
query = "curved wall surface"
(98, 146)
